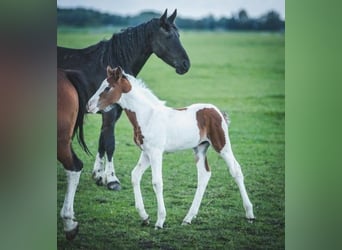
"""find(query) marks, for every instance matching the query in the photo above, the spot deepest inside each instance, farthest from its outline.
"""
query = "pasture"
(241, 73)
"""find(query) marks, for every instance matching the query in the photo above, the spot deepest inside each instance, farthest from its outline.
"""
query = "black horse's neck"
(131, 48)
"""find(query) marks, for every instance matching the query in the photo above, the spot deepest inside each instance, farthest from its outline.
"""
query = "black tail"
(79, 82)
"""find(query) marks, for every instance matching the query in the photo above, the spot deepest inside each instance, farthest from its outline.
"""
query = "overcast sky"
(185, 8)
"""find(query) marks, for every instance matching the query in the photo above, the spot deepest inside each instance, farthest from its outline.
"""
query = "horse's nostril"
(185, 64)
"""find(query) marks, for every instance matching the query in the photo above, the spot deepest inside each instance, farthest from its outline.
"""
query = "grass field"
(241, 73)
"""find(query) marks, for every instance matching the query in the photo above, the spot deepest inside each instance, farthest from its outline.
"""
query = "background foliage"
(80, 17)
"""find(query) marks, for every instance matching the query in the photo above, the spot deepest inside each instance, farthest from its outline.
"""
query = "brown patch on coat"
(67, 109)
(122, 82)
(138, 136)
(118, 84)
(206, 165)
(209, 123)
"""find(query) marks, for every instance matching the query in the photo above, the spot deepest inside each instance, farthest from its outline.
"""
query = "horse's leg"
(98, 169)
(203, 176)
(137, 173)
(236, 173)
(156, 158)
(107, 145)
(73, 167)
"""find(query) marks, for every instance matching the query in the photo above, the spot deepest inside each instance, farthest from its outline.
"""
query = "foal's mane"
(141, 87)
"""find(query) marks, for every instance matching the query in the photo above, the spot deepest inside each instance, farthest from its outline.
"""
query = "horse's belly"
(183, 138)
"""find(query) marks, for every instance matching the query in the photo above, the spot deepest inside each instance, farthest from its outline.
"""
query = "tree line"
(81, 17)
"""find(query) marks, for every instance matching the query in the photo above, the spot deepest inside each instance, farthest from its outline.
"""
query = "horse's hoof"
(99, 181)
(114, 185)
(185, 223)
(146, 222)
(251, 220)
(157, 228)
(70, 235)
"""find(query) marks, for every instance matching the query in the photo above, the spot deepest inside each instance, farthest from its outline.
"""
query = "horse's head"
(167, 46)
(110, 91)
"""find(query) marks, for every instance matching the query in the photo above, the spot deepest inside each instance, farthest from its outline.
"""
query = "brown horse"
(70, 114)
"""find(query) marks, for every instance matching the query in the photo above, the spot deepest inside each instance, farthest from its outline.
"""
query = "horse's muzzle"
(183, 68)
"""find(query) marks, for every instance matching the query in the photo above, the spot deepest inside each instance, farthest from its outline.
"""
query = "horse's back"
(68, 58)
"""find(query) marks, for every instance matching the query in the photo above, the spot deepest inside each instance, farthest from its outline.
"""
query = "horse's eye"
(106, 89)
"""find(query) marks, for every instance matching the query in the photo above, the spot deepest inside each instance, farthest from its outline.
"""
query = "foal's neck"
(137, 101)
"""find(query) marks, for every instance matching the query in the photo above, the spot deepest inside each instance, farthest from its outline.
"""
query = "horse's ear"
(117, 73)
(163, 19)
(110, 71)
(172, 18)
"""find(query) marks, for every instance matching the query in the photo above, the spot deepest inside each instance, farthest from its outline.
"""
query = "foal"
(159, 129)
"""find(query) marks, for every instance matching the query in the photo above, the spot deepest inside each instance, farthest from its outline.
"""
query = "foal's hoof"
(114, 185)
(185, 223)
(70, 235)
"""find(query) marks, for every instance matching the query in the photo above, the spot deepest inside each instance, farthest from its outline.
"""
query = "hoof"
(70, 235)
(114, 185)
(99, 181)
(251, 220)
(96, 175)
(185, 223)
(157, 228)
(146, 222)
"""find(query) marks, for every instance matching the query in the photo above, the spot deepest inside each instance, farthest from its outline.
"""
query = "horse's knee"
(78, 164)
(135, 177)
(157, 185)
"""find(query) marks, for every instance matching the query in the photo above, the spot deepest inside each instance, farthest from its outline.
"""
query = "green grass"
(241, 73)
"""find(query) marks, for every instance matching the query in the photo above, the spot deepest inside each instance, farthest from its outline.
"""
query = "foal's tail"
(225, 116)
(79, 82)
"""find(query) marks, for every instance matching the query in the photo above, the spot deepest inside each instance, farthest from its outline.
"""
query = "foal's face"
(110, 91)
(167, 46)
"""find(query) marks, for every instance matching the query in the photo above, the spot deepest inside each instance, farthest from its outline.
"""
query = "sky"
(185, 8)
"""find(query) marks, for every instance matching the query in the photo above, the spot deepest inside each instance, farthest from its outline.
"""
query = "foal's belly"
(185, 137)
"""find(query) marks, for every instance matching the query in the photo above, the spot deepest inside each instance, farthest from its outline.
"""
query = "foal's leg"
(203, 176)
(156, 158)
(235, 171)
(137, 173)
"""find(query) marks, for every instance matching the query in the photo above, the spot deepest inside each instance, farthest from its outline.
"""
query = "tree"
(243, 17)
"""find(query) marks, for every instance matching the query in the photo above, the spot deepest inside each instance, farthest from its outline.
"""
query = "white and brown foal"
(159, 129)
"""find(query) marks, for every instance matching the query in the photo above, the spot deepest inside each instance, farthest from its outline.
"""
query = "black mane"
(115, 51)
(137, 37)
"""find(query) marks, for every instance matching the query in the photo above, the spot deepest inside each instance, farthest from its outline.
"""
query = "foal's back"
(187, 127)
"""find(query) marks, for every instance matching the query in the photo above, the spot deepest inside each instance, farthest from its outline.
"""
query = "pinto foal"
(159, 129)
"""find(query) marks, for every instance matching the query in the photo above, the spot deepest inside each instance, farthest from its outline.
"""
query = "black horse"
(129, 49)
